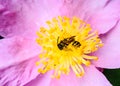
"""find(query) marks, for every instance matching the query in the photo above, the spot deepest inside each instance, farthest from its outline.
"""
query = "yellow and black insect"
(65, 42)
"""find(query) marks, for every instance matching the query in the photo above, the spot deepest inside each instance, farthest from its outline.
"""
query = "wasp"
(65, 42)
(76, 44)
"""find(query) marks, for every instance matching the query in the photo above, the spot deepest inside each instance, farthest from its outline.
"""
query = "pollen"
(67, 44)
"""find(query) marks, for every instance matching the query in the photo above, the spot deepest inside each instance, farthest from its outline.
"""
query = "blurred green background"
(113, 75)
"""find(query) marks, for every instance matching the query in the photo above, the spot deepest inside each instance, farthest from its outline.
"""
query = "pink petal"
(109, 54)
(11, 21)
(82, 8)
(102, 15)
(41, 80)
(107, 17)
(92, 77)
(19, 74)
(17, 49)
(22, 17)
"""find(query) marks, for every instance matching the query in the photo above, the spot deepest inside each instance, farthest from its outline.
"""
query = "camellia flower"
(70, 47)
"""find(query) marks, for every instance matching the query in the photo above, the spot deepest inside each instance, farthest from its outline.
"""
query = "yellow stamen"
(66, 45)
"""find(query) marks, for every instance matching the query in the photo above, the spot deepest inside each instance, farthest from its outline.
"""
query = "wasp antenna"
(72, 37)
(57, 39)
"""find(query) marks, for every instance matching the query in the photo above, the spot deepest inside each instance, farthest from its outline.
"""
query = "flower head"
(67, 43)
(19, 21)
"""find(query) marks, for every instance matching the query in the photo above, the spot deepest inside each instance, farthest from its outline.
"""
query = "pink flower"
(19, 21)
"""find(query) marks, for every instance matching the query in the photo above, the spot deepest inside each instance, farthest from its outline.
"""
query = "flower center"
(66, 44)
